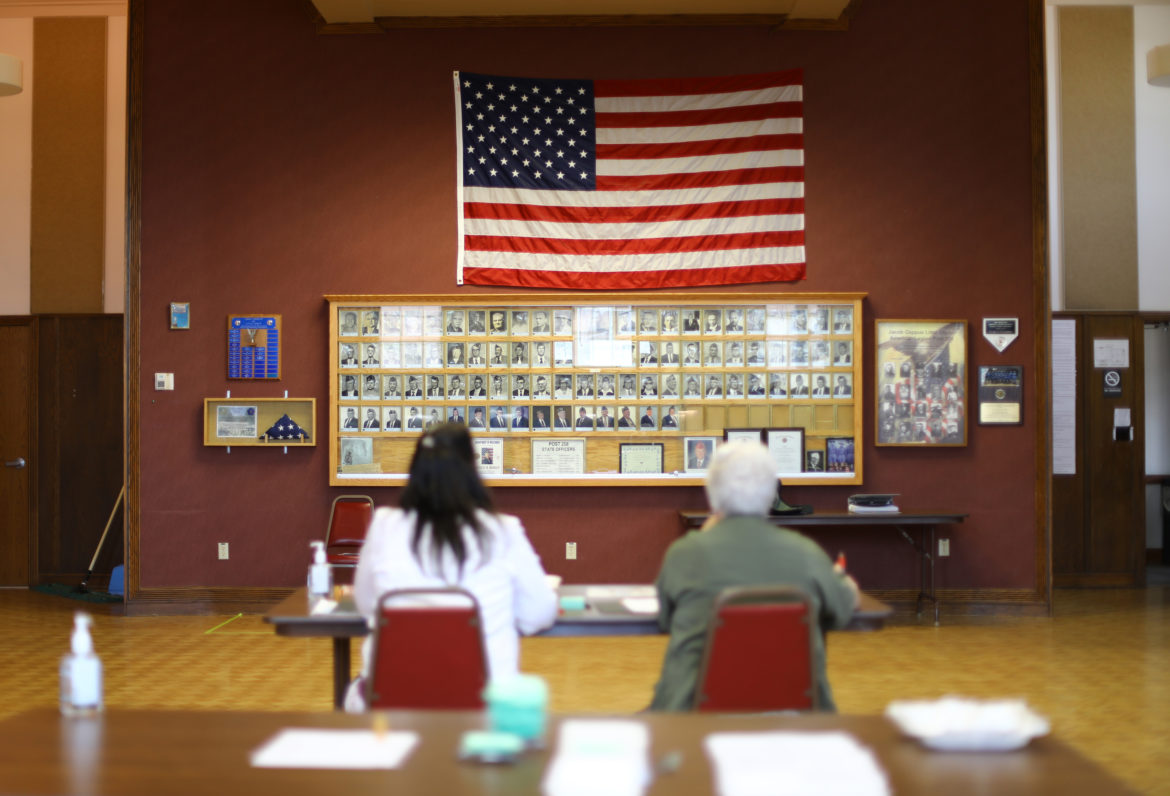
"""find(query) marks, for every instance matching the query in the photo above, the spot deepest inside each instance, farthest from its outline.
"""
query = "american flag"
(629, 184)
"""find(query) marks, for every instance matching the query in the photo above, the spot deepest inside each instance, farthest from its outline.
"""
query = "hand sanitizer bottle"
(81, 672)
(320, 575)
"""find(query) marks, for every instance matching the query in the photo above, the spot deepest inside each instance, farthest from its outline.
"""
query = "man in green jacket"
(738, 546)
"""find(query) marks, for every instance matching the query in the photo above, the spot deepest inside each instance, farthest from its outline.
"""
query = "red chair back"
(348, 521)
(427, 656)
(758, 655)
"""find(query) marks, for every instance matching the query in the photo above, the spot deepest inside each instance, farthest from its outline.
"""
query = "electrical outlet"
(944, 548)
(570, 550)
(223, 551)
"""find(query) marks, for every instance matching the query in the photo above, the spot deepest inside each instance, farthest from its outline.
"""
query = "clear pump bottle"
(81, 672)
(320, 574)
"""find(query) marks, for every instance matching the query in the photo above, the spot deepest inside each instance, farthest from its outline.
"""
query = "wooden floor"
(1100, 670)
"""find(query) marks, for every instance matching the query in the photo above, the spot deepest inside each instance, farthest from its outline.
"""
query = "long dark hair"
(445, 492)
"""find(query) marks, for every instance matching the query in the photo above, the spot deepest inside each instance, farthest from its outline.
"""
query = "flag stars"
(558, 89)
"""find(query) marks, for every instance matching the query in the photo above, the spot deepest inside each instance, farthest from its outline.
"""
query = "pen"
(841, 560)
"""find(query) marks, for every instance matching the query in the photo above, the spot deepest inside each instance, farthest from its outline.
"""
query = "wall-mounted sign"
(1001, 332)
(1111, 381)
(1109, 353)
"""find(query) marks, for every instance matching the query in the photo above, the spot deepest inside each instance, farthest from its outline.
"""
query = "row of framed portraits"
(607, 369)
(761, 385)
(569, 456)
(592, 322)
(525, 355)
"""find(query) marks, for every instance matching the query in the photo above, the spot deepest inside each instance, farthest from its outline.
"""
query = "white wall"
(1151, 27)
(16, 38)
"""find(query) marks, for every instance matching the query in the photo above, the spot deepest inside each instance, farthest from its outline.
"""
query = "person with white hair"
(738, 546)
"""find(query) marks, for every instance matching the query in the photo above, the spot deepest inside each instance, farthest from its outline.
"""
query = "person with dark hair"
(447, 533)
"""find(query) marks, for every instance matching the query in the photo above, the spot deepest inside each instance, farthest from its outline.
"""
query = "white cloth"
(505, 577)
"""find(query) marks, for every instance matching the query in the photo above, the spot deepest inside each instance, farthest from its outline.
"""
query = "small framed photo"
(647, 321)
(371, 322)
(519, 354)
(432, 322)
(349, 387)
(922, 382)
(347, 321)
(180, 315)
(757, 318)
(455, 324)
(733, 321)
(669, 322)
(497, 321)
(391, 418)
(743, 435)
(356, 451)
(540, 322)
(786, 446)
(698, 452)
(691, 322)
(839, 454)
(391, 321)
(814, 461)
(648, 417)
(562, 321)
(476, 321)
(542, 354)
(842, 320)
(519, 322)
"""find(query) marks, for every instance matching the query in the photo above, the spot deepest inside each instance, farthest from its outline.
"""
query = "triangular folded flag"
(285, 428)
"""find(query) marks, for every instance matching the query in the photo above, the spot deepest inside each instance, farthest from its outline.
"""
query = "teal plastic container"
(518, 705)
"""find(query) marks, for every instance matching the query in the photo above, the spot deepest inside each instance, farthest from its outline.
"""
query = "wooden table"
(604, 615)
(922, 521)
(182, 753)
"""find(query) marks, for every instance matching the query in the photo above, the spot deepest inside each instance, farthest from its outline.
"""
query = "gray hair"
(742, 479)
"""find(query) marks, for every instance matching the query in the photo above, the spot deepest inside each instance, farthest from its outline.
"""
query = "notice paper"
(641, 605)
(346, 749)
(793, 764)
(593, 756)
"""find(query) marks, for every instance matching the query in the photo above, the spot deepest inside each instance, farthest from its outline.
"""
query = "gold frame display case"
(605, 368)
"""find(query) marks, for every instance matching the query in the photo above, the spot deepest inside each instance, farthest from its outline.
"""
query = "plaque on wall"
(253, 347)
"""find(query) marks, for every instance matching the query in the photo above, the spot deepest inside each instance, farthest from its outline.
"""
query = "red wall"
(280, 165)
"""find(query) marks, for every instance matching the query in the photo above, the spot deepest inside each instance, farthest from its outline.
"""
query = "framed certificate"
(743, 435)
(787, 448)
(640, 457)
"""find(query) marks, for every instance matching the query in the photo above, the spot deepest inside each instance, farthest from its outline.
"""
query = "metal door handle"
(16, 463)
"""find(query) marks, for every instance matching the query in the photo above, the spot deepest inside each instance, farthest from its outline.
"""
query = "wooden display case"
(243, 422)
(517, 367)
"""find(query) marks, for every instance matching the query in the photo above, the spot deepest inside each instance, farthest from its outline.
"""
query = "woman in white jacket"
(446, 533)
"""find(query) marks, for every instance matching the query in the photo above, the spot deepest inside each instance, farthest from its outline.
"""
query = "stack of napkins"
(793, 764)
(599, 756)
(955, 723)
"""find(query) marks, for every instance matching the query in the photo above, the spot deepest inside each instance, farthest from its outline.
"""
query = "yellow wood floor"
(1100, 670)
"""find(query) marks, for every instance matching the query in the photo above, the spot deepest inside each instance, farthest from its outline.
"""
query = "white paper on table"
(796, 763)
(349, 749)
(609, 756)
(641, 605)
(323, 607)
(618, 592)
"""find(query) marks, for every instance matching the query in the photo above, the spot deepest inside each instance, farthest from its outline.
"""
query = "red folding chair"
(758, 655)
(346, 533)
(428, 651)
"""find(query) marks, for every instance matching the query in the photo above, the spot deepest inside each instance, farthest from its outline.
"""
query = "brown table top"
(601, 617)
(133, 753)
(694, 519)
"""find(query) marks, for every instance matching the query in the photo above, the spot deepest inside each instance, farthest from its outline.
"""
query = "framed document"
(787, 448)
(743, 435)
(640, 457)
(921, 382)
(235, 422)
(489, 455)
(558, 456)
(1001, 395)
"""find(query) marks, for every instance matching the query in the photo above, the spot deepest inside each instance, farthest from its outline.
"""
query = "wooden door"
(1098, 513)
(16, 403)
